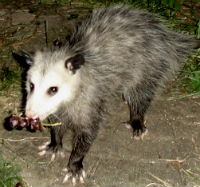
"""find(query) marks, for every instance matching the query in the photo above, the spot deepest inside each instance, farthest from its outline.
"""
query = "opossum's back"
(123, 44)
(119, 33)
(121, 25)
(116, 25)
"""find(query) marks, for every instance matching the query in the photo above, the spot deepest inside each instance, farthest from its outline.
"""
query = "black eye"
(31, 87)
(52, 90)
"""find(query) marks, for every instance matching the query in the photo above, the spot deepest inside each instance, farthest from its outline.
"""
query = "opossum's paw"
(74, 176)
(140, 133)
(48, 148)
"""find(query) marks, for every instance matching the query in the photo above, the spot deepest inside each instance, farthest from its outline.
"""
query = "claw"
(53, 157)
(60, 153)
(83, 174)
(44, 146)
(73, 181)
(67, 177)
(65, 170)
(144, 134)
(74, 177)
(42, 153)
(141, 137)
(81, 180)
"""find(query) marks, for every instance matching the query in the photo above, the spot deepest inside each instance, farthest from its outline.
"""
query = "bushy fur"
(126, 53)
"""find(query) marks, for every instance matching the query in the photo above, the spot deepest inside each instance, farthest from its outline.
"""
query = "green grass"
(191, 75)
(10, 78)
(198, 30)
(9, 173)
(10, 72)
(7, 78)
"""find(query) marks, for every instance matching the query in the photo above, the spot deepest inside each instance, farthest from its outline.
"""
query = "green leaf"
(198, 30)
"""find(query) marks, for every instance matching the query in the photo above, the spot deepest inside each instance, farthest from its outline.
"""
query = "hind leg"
(138, 101)
(137, 124)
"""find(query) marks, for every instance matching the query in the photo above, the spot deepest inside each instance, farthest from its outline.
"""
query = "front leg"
(55, 146)
(81, 144)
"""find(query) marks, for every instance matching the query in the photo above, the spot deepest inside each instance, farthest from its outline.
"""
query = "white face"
(46, 92)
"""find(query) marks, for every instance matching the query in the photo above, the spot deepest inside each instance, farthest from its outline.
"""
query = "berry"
(20, 122)
(35, 123)
(14, 121)
(24, 123)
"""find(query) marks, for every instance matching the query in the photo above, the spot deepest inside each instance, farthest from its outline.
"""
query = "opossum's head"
(53, 79)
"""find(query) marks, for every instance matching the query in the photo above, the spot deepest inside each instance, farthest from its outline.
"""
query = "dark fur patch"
(24, 60)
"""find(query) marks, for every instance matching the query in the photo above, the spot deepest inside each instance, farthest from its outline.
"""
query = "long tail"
(184, 45)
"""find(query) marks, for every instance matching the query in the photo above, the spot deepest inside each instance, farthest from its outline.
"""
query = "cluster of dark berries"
(16, 122)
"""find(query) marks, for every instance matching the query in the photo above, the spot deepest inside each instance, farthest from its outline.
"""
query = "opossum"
(115, 52)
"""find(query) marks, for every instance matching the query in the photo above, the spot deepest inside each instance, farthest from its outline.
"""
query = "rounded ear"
(28, 57)
(74, 63)
(24, 59)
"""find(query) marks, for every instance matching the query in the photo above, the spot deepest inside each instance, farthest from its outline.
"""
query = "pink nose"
(31, 115)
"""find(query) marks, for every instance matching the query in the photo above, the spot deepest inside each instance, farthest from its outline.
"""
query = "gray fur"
(124, 49)
(127, 53)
